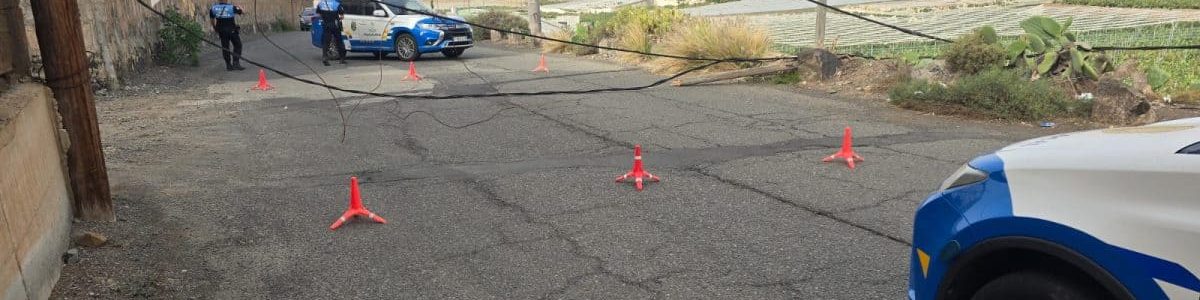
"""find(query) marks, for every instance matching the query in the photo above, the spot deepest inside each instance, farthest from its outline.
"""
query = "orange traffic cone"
(263, 85)
(847, 151)
(637, 173)
(541, 67)
(412, 72)
(356, 208)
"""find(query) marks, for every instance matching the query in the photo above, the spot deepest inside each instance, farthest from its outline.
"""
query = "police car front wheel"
(1036, 285)
(406, 48)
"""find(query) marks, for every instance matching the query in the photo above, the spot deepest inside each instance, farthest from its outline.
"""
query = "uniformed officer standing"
(222, 14)
(331, 12)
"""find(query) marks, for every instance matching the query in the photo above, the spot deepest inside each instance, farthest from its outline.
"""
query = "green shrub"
(584, 35)
(1157, 78)
(654, 21)
(498, 19)
(638, 28)
(1000, 93)
(599, 21)
(179, 40)
(974, 52)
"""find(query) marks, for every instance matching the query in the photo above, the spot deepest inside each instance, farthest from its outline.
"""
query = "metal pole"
(820, 44)
(535, 19)
(60, 38)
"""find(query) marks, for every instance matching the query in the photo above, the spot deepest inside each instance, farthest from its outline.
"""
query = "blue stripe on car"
(987, 208)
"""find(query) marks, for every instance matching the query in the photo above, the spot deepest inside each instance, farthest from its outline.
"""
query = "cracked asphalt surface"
(226, 193)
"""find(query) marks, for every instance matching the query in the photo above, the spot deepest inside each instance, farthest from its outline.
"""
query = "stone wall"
(121, 34)
(35, 207)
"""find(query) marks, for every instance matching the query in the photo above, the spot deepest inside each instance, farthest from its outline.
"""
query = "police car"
(1105, 214)
(370, 27)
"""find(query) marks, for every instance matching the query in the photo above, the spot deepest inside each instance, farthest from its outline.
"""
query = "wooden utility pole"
(535, 19)
(10, 14)
(820, 44)
(61, 41)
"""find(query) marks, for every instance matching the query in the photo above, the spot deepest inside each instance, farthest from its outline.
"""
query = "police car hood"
(1110, 146)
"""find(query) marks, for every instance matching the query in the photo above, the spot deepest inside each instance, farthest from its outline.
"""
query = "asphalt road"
(226, 193)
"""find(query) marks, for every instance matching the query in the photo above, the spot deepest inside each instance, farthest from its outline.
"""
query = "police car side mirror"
(379, 13)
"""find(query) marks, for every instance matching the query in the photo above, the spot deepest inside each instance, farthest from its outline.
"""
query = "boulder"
(1117, 104)
(1138, 81)
(819, 64)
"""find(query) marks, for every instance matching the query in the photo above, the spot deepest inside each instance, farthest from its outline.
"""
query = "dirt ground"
(134, 119)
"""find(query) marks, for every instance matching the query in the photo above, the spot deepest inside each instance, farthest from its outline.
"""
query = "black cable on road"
(341, 114)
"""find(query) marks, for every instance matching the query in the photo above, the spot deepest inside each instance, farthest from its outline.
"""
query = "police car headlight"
(432, 26)
(964, 176)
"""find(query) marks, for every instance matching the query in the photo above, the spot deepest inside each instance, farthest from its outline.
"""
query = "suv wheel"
(453, 52)
(1036, 285)
(406, 48)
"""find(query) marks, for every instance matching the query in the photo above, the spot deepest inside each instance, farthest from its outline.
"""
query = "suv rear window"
(1193, 149)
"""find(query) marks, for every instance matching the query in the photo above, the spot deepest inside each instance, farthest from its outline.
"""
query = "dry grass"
(727, 38)
(556, 47)
(1187, 98)
(634, 37)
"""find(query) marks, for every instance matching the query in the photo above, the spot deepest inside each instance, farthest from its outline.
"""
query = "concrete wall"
(121, 34)
(35, 209)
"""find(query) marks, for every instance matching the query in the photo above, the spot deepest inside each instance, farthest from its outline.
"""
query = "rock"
(934, 70)
(819, 64)
(829, 63)
(91, 239)
(71, 256)
(1117, 104)
(1132, 71)
(109, 283)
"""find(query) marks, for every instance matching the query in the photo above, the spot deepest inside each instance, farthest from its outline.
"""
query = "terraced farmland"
(796, 29)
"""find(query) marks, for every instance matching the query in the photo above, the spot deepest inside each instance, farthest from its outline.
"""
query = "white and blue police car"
(1105, 214)
(371, 27)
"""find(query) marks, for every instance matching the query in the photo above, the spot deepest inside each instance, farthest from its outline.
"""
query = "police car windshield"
(416, 5)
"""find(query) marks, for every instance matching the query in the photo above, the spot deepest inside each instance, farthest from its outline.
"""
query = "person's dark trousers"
(231, 37)
(332, 35)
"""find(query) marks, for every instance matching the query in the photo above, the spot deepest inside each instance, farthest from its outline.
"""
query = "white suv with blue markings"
(1104, 214)
(371, 27)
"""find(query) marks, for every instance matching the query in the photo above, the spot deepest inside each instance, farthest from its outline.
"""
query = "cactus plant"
(1047, 48)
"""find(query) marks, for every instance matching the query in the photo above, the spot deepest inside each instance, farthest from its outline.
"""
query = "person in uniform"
(331, 13)
(222, 15)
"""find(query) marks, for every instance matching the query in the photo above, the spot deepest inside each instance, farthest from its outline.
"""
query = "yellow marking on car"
(924, 258)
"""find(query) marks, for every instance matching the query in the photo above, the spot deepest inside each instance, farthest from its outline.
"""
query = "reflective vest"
(223, 10)
(329, 5)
